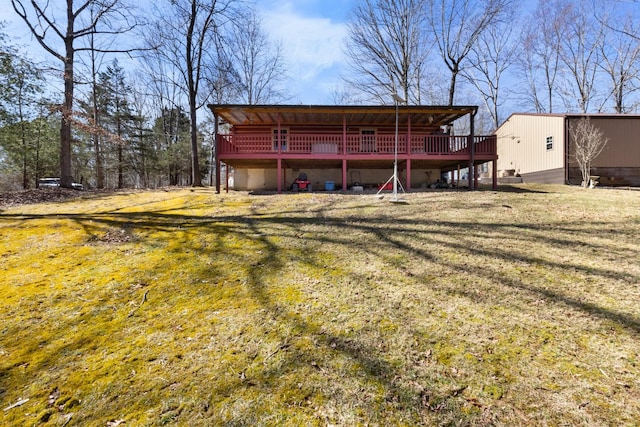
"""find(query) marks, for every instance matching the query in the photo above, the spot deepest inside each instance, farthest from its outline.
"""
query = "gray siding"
(552, 176)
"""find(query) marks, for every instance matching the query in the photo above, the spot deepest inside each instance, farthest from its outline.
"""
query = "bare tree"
(387, 49)
(528, 67)
(189, 33)
(489, 59)
(540, 63)
(259, 62)
(620, 62)
(581, 39)
(457, 25)
(615, 26)
(81, 19)
(588, 143)
(94, 65)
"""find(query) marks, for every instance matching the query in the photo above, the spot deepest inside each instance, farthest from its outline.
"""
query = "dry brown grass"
(189, 308)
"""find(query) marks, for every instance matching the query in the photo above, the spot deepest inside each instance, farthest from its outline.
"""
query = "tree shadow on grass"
(383, 235)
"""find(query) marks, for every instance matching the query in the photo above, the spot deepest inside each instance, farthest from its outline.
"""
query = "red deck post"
(218, 164)
(494, 175)
(216, 142)
(226, 178)
(471, 143)
(344, 174)
(279, 174)
(408, 189)
(344, 152)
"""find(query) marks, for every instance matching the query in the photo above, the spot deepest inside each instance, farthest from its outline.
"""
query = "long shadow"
(391, 232)
(385, 234)
(371, 362)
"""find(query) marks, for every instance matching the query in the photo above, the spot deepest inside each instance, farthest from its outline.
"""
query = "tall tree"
(189, 32)
(80, 19)
(21, 84)
(259, 62)
(117, 119)
(26, 91)
(489, 59)
(387, 49)
(28, 148)
(171, 139)
(540, 64)
(95, 58)
(581, 37)
(456, 26)
(621, 60)
(143, 155)
(8, 56)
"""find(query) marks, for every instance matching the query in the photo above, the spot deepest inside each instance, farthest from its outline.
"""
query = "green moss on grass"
(189, 308)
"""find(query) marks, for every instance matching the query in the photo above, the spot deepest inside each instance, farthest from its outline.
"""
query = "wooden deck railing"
(333, 144)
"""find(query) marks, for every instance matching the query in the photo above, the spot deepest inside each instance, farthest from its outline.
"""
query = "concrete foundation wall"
(267, 179)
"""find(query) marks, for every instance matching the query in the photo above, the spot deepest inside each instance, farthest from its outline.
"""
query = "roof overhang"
(332, 115)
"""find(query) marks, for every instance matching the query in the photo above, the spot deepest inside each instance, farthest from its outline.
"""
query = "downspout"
(472, 151)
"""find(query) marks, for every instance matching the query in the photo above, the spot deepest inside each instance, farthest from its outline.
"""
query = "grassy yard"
(183, 307)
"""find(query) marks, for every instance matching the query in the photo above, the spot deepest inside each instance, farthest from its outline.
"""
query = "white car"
(55, 182)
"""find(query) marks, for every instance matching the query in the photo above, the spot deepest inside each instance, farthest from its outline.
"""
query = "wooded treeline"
(120, 104)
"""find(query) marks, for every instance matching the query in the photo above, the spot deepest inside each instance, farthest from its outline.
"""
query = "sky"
(311, 33)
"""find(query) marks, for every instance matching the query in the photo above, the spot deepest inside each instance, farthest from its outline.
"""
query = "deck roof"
(323, 115)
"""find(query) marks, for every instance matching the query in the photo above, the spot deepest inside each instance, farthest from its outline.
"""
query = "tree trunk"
(96, 125)
(452, 85)
(196, 178)
(192, 67)
(67, 108)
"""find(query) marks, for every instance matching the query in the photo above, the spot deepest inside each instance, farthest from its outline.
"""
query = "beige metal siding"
(522, 143)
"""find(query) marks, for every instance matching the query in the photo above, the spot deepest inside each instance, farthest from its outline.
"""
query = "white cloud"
(312, 34)
(312, 47)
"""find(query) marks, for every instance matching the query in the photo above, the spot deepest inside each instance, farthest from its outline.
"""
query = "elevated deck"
(354, 147)
(348, 137)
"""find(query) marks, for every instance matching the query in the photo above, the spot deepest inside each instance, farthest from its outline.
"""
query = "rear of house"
(339, 147)
(539, 148)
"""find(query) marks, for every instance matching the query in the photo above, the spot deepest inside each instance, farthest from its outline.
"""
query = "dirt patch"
(42, 195)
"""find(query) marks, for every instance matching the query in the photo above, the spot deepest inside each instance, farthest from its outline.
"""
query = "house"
(339, 146)
(538, 148)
